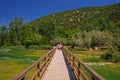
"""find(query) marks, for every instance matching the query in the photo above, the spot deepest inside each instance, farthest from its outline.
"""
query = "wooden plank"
(41, 60)
(57, 70)
(93, 74)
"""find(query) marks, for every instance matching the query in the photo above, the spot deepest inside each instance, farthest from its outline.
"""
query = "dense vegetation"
(86, 27)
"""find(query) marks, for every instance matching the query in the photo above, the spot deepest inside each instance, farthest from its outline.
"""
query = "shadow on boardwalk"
(58, 68)
(70, 71)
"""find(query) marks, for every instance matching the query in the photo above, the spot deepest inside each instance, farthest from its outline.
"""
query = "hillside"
(85, 27)
(66, 24)
(81, 17)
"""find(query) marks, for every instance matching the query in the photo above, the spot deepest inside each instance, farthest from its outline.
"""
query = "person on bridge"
(59, 46)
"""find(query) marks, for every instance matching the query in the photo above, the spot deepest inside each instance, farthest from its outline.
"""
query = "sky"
(32, 9)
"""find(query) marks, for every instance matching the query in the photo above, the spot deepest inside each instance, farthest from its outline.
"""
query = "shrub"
(116, 58)
(33, 47)
(111, 55)
(48, 47)
(107, 56)
(45, 47)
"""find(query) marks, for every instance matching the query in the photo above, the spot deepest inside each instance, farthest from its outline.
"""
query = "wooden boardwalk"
(58, 69)
(59, 65)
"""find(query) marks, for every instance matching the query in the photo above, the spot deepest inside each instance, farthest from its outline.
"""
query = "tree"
(14, 27)
(89, 27)
(116, 33)
(31, 39)
(110, 54)
(47, 29)
(87, 39)
(58, 40)
(77, 40)
(29, 36)
(100, 38)
(3, 35)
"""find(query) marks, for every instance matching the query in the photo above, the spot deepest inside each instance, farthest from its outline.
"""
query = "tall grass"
(108, 71)
(15, 59)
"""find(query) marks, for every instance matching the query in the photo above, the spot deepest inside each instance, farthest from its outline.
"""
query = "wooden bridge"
(59, 65)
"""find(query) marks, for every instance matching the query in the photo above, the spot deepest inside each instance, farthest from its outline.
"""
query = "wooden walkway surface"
(58, 69)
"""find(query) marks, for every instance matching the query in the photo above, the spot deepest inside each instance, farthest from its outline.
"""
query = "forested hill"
(80, 18)
(83, 27)
(67, 24)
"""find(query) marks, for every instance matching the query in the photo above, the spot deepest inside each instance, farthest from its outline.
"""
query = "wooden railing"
(80, 70)
(37, 69)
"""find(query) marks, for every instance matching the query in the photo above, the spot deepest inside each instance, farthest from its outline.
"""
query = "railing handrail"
(92, 72)
(44, 61)
(22, 75)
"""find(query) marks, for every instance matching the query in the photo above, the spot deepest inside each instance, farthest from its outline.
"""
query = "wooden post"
(69, 58)
(38, 68)
(73, 62)
(45, 61)
(93, 78)
(78, 71)
(23, 78)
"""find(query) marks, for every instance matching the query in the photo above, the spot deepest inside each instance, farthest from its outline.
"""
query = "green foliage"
(111, 55)
(92, 38)
(102, 38)
(31, 39)
(96, 23)
(85, 27)
(14, 30)
(33, 47)
(57, 40)
(116, 58)
(46, 28)
(3, 35)
(47, 47)
(107, 56)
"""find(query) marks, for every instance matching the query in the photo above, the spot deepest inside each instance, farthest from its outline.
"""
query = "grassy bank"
(15, 59)
(110, 71)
